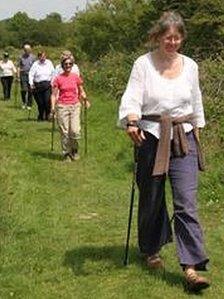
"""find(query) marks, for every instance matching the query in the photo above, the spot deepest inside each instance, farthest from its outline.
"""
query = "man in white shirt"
(40, 76)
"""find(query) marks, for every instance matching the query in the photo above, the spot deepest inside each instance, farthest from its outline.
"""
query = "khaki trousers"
(68, 117)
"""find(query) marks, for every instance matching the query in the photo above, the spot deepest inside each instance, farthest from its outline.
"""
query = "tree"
(50, 31)
(110, 24)
(21, 25)
(205, 22)
(4, 38)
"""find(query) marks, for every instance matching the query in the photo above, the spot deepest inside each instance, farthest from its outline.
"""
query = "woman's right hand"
(52, 114)
(136, 135)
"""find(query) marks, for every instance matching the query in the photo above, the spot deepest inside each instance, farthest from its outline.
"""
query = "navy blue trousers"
(26, 93)
(154, 227)
(7, 86)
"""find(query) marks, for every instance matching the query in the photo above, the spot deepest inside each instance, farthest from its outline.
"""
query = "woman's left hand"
(136, 134)
(86, 103)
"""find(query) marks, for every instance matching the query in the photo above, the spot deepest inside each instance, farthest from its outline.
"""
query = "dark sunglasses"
(68, 63)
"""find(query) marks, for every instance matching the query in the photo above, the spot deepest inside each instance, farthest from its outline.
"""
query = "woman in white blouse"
(162, 111)
(7, 71)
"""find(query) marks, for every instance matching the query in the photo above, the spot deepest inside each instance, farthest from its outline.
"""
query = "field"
(63, 225)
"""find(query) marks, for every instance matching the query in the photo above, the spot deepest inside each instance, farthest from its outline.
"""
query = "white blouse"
(7, 68)
(148, 92)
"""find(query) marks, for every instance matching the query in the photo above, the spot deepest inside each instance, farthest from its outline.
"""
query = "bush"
(212, 84)
(111, 73)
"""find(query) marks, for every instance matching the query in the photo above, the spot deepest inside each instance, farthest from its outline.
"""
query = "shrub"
(110, 74)
(212, 83)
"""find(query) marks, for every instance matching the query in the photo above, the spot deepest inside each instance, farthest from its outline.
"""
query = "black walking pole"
(29, 112)
(131, 205)
(82, 116)
(85, 127)
(16, 83)
(52, 131)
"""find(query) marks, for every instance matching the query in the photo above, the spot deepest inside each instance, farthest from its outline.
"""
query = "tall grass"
(63, 225)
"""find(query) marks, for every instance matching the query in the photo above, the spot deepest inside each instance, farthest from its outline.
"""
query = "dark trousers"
(154, 227)
(42, 98)
(27, 97)
(7, 86)
(26, 93)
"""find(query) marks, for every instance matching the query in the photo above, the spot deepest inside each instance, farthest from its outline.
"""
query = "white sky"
(38, 9)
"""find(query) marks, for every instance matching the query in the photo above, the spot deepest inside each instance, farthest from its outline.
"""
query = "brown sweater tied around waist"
(180, 143)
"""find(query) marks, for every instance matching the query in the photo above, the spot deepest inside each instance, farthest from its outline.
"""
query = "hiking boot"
(195, 282)
(154, 262)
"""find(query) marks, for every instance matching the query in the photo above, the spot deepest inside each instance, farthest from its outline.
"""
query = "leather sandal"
(155, 262)
(195, 282)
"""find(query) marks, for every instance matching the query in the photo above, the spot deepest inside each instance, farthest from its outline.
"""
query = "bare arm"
(54, 97)
(82, 92)
(14, 68)
(83, 96)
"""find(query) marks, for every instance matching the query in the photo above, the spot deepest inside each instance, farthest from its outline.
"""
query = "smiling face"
(170, 41)
(67, 65)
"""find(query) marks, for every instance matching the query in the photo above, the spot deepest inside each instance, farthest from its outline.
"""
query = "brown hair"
(40, 53)
(168, 19)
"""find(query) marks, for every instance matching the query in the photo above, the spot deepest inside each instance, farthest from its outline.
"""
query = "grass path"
(63, 225)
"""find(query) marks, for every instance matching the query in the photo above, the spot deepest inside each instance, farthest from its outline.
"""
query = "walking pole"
(85, 127)
(131, 205)
(16, 92)
(52, 131)
(29, 112)
(82, 116)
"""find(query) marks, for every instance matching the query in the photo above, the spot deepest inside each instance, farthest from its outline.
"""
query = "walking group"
(58, 92)
(162, 112)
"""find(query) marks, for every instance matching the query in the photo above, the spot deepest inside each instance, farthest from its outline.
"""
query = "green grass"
(63, 226)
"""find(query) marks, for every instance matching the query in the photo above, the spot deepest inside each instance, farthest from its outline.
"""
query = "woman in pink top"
(67, 90)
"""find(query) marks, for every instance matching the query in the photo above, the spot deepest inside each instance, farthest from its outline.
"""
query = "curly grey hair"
(168, 19)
